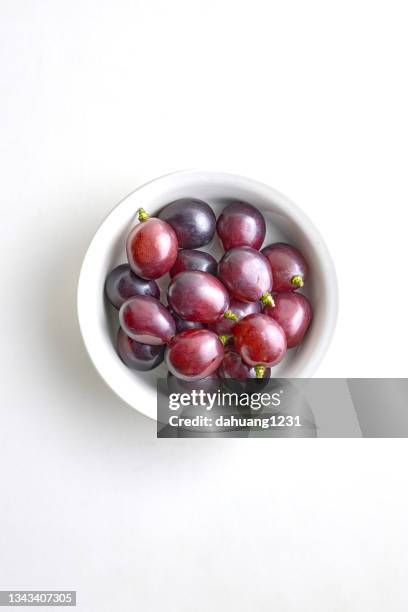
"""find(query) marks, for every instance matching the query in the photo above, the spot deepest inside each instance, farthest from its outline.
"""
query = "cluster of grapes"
(235, 319)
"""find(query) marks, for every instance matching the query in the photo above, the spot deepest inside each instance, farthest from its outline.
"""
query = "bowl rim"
(271, 193)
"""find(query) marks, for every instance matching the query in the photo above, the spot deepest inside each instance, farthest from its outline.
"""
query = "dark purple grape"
(194, 354)
(192, 220)
(293, 313)
(289, 268)
(224, 326)
(232, 366)
(241, 224)
(182, 324)
(258, 342)
(238, 377)
(138, 356)
(145, 320)
(151, 247)
(122, 284)
(197, 296)
(246, 274)
(190, 259)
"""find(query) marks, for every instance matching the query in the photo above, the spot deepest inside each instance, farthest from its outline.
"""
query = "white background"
(98, 97)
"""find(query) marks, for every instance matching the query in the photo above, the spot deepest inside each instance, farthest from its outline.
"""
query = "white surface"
(284, 221)
(97, 98)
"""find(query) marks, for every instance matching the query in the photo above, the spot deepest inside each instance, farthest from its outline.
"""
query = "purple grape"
(192, 220)
(145, 320)
(246, 274)
(293, 313)
(151, 247)
(197, 296)
(233, 367)
(289, 268)
(138, 356)
(182, 325)
(238, 377)
(189, 259)
(194, 354)
(241, 224)
(122, 284)
(258, 342)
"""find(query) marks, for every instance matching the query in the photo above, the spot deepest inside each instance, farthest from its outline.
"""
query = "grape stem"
(228, 314)
(297, 281)
(142, 215)
(260, 371)
(224, 339)
(267, 299)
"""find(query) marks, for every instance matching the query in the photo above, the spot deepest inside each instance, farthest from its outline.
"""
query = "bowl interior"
(285, 222)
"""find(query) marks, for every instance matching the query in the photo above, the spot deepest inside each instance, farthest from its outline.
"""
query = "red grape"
(145, 320)
(192, 220)
(197, 296)
(241, 224)
(288, 266)
(293, 313)
(223, 326)
(234, 367)
(260, 341)
(122, 284)
(194, 354)
(247, 275)
(136, 355)
(189, 259)
(151, 247)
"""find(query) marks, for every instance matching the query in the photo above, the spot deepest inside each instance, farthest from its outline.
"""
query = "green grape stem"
(260, 371)
(224, 339)
(267, 299)
(142, 215)
(228, 314)
(297, 281)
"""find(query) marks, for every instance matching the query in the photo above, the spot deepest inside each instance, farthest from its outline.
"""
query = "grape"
(241, 224)
(188, 259)
(182, 324)
(151, 247)
(145, 320)
(197, 296)
(136, 355)
(288, 266)
(122, 284)
(209, 384)
(238, 377)
(246, 274)
(260, 341)
(223, 326)
(233, 367)
(192, 220)
(293, 313)
(194, 354)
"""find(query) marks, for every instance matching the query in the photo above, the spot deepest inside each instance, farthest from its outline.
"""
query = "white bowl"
(285, 221)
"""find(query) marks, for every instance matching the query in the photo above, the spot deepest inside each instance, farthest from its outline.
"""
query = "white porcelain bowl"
(285, 221)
